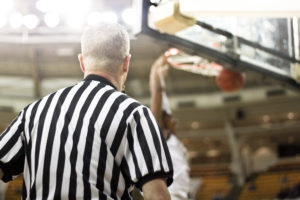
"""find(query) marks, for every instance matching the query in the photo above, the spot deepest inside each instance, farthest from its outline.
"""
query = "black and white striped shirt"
(88, 141)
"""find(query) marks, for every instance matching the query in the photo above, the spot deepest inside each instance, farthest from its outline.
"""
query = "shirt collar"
(94, 77)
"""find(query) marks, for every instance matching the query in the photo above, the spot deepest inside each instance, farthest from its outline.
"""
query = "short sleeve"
(11, 149)
(146, 152)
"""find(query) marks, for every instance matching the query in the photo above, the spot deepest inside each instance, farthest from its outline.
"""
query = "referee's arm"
(147, 155)
(156, 190)
(11, 149)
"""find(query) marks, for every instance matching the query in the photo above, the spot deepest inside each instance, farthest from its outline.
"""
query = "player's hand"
(158, 73)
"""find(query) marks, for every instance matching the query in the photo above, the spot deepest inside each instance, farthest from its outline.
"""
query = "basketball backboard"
(264, 44)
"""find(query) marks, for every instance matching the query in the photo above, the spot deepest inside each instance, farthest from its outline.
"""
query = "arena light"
(129, 16)
(291, 115)
(51, 19)
(31, 21)
(15, 20)
(71, 8)
(42, 5)
(75, 21)
(48, 5)
(266, 118)
(109, 16)
(64, 6)
(195, 125)
(94, 18)
(3, 20)
(75, 12)
(6, 6)
(212, 153)
(81, 6)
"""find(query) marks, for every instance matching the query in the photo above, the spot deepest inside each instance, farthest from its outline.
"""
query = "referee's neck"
(114, 80)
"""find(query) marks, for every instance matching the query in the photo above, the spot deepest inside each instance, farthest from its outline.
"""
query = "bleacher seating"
(285, 166)
(268, 184)
(215, 180)
(213, 185)
(209, 170)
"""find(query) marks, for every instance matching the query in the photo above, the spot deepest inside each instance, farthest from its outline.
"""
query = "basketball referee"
(89, 141)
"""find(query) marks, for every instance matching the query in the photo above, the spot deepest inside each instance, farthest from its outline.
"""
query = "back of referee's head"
(105, 48)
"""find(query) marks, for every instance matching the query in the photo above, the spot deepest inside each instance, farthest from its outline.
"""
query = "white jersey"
(180, 187)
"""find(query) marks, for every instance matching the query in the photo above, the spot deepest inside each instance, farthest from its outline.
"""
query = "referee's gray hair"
(104, 47)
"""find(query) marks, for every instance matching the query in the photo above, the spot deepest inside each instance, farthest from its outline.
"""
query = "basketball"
(229, 80)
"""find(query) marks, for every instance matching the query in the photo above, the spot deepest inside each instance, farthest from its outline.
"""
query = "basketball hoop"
(227, 80)
(193, 64)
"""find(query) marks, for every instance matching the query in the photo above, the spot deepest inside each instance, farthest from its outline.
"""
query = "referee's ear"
(126, 62)
(80, 58)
